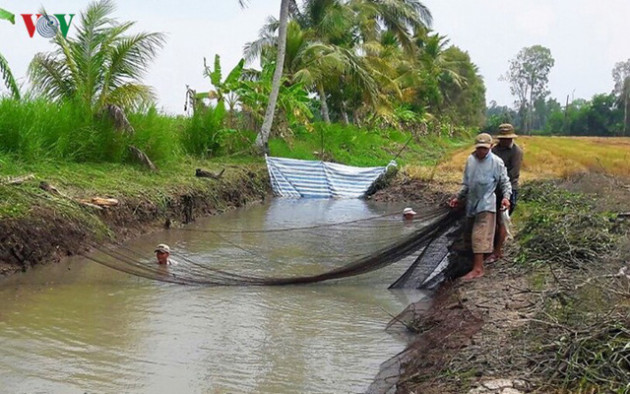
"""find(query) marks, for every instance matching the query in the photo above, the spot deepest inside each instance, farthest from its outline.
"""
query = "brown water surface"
(79, 327)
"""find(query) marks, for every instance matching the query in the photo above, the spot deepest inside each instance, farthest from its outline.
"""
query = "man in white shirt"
(484, 172)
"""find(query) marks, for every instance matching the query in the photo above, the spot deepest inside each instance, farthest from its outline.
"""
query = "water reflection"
(80, 327)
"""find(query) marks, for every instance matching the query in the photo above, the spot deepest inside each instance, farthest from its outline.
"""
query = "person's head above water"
(162, 251)
(408, 213)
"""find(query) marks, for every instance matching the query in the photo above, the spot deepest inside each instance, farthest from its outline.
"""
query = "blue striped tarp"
(319, 179)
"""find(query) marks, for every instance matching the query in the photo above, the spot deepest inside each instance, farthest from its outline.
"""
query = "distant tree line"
(605, 114)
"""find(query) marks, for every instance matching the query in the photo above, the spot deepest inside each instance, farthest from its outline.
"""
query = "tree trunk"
(345, 119)
(322, 99)
(625, 114)
(626, 92)
(356, 117)
(263, 135)
(530, 109)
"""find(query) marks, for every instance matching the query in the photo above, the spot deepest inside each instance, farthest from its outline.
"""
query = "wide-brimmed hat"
(162, 248)
(506, 130)
(483, 140)
(408, 211)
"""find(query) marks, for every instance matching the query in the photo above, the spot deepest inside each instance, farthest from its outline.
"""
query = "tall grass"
(34, 130)
(158, 135)
(38, 129)
(204, 133)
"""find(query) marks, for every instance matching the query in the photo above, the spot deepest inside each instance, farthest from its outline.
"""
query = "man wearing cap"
(162, 253)
(408, 214)
(512, 156)
(484, 173)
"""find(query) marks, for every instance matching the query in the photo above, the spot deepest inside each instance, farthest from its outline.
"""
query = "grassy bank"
(85, 155)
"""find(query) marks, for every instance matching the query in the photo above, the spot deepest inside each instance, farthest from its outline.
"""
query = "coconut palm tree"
(438, 70)
(5, 71)
(102, 66)
(308, 60)
(329, 45)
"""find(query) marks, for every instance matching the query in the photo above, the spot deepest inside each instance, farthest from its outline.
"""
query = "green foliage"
(38, 129)
(7, 77)
(293, 105)
(203, 134)
(5, 71)
(496, 115)
(465, 101)
(225, 91)
(365, 72)
(158, 135)
(8, 16)
(364, 147)
(102, 65)
(599, 117)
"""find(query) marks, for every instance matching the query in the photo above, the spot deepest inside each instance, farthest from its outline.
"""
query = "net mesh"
(437, 228)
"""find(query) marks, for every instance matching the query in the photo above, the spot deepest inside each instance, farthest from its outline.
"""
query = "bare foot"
(474, 274)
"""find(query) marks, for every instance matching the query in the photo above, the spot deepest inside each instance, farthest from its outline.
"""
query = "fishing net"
(431, 237)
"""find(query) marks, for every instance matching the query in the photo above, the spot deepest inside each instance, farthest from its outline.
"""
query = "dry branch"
(99, 202)
(18, 180)
(142, 158)
(119, 118)
(207, 174)
(45, 186)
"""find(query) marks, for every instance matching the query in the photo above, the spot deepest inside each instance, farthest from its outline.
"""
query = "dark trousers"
(513, 199)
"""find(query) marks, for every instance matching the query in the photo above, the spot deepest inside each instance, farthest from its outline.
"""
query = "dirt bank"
(545, 318)
(57, 225)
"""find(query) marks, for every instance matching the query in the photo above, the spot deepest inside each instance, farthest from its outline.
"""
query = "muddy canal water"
(79, 327)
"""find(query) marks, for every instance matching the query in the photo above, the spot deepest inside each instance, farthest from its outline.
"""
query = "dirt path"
(498, 334)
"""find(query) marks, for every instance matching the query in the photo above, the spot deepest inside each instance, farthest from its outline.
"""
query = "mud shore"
(57, 226)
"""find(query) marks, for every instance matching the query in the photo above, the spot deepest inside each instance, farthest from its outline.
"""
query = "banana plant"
(5, 71)
(225, 91)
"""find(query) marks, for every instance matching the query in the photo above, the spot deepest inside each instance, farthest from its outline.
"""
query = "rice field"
(545, 157)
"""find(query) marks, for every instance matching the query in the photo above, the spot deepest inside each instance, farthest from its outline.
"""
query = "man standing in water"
(162, 253)
(483, 174)
(512, 156)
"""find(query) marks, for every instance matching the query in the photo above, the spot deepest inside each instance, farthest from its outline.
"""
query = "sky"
(586, 39)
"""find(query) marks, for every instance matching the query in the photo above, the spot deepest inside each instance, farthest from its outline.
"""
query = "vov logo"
(47, 25)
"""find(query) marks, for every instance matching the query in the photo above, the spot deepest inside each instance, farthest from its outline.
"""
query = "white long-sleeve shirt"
(481, 178)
